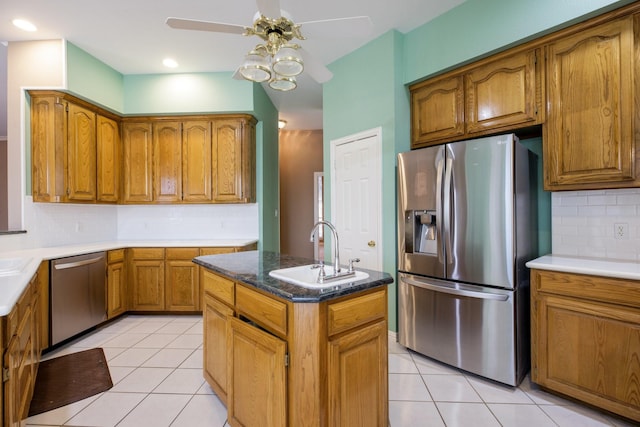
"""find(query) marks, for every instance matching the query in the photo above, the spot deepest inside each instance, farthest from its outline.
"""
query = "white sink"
(307, 276)
(13, 266)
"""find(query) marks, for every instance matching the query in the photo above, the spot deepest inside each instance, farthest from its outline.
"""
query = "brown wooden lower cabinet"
(116, 283)
(586, 339)
(278, 363)
(21, 354)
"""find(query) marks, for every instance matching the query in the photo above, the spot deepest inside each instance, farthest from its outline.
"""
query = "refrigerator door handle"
(454, 291)
(446, 195)
(439, 175)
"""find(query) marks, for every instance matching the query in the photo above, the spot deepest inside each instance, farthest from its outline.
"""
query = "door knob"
(371, 243)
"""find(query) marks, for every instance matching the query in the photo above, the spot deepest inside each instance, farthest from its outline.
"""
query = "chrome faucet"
(336, 256)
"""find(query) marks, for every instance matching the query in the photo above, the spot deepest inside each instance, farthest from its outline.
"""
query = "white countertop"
(593, 266)
(11, 287)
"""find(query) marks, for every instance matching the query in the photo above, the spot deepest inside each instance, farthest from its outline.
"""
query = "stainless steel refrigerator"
(466, 226)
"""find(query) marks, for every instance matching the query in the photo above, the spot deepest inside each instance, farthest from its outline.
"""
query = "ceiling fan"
(279, 60)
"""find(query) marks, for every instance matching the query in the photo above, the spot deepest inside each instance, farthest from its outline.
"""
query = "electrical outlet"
(621, 230)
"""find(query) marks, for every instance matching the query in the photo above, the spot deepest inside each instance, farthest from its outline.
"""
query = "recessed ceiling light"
(169, 63)
(24, 25)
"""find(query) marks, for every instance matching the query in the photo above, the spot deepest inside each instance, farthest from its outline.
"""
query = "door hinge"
(286, 359)
(5, 375)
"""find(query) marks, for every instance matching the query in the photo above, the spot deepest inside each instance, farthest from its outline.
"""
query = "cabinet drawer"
(147, 253)
(596, 288)
(182, 253)
(115, 256)
(218, 286)
(267, 312)
(347, 314)
(216, 251)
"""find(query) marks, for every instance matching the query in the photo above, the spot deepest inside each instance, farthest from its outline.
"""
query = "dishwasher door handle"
(78, 263)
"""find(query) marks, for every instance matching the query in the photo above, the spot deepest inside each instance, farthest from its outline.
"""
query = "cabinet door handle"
(371, 244)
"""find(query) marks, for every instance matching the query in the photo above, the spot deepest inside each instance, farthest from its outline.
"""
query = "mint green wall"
(189, 93)
(368, 88)
(267, 182)
(477, 27)
(186, 93)
(94, 80)
(360, 97)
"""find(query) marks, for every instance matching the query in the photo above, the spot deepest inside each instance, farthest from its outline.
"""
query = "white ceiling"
(131, 35)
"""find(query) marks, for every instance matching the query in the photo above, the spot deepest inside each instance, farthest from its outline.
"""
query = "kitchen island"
(279, 354)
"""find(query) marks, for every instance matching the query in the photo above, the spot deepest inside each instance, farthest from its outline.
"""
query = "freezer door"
(420, 174)
(480, 330)
(479, 211)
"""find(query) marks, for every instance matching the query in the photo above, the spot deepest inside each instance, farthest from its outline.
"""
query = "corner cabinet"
(586, 339)
(82, 153)
(498, 94)
(74, 149)
(278, 363)
(590, 137)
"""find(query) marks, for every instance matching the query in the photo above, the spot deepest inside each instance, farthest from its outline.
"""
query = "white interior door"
(356, 197)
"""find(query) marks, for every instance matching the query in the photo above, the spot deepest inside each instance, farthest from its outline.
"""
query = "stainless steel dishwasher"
(78, 294)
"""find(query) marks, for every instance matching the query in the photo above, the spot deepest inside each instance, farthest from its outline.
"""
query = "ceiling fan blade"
(315, 68)
(193, 24)
(355, 26)
(269, 8)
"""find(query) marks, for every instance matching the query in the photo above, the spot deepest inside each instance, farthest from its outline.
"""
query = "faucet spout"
(334, 234)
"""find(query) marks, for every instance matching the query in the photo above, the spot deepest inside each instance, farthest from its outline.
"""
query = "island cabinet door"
(357, 377)
(215, 316)
(256, 383)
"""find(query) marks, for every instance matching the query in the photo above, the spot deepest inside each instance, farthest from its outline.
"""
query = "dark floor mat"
(70, 378)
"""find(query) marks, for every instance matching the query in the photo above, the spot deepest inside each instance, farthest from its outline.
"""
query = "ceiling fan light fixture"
(283, 83)
(287, 62)
(256, 67)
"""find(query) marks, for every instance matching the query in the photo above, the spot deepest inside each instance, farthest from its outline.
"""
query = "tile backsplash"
(602, 224)
(59, 224)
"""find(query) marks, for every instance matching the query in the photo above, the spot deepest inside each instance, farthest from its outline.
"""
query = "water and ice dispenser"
(421, 233)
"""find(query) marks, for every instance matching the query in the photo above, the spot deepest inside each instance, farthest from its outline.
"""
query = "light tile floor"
(156, 367)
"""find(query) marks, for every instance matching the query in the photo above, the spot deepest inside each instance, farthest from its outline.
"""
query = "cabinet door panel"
(138, 161)
(357, 373)
(108, 160)
(590, 351)
(167, 155)
(215, 316)
(227, 160)
(148, 284)
(251, 350)
(591, 114)
(116, 289)
(48, 139)
(183, 289)
(81, 154)
(503, 92)
(437, 111)
(196, 161)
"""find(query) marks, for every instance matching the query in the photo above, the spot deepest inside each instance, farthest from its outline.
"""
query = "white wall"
(584, 223)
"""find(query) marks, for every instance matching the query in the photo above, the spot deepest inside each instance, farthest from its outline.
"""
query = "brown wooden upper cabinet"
(234, 160)
(78, 155)
(75, 150)
(196, 160)
(590, 139)
(138, 162)
(501, 93)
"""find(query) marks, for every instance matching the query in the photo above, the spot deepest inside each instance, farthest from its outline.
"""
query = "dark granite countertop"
(253, 267)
